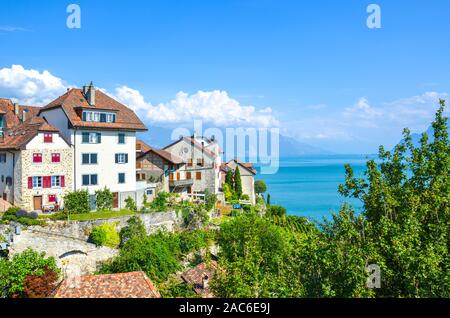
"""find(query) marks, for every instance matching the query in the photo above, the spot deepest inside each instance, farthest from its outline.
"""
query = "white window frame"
(36, 181)
(121, 158)
(56, 181)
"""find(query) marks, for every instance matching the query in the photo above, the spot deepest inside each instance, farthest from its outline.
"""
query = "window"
(48, 137)
(52, 198)
(121, 138)
(189, 163)
(121, 177)
(121, 158)
(111, 118)
(198, 176)
(8, 181)
(96, 117)
(99, 117)
(37, 182)
(89, 158)
(37, 157)
(56, 157)
(200, 162)
(103, 118)
(89, 179)
(149, 191)
(2, 157)
(91, 138)
(56, 181)
(188, 175)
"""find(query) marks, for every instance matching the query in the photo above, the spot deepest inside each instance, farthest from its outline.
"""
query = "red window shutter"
(51, 198)
(30, 182)
(62, 181)
(47, 182)
(48, 137)
(56, 157)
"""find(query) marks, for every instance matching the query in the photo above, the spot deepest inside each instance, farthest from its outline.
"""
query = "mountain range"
(158, 137)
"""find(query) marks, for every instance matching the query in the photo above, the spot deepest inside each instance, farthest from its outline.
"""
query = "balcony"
(181, 183)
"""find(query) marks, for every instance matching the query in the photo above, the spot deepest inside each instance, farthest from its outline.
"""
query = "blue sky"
(313, 68)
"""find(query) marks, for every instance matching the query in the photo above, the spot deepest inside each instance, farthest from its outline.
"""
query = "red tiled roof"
(121, 285)
(142, 146)
(195, 143)
(246, 165)
(74, 99)
(195, 276)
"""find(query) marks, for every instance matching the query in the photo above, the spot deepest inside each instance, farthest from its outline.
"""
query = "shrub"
(196, 217)
(237, 183)
(245, 197)
(77, 202)
(130, 204)
(228, 192)
(210, 200)
(135, 228)
(260, 186)
(159, 203)
(41, 286)
(105, 235)
(174, 287)
(276, 210)
(104, 199)
(15, 214)
(13, 272)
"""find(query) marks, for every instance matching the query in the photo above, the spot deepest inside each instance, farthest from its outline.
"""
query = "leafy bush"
(104, 199)
(15, 214)
(160, 202)
(276, 210)
(237, 183)
(77, 202)
(40, 286)
(14, 272)
(130, 204)
(210, 200)
(105, 235)
(135, 228)
(196, 217)
(174, 287)
(228, 192)
(245, 197)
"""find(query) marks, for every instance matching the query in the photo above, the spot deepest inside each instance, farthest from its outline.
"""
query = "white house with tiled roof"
(102, 132)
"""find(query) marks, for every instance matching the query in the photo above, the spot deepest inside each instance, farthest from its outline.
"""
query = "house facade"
(203, 160)
(247, 176)
(35, 160)
(102, 132)
(167, 171)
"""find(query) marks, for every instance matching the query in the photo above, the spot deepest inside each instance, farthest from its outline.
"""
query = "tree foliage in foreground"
(403, 228)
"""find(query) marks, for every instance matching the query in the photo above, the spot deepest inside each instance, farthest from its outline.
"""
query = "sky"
(311, 68)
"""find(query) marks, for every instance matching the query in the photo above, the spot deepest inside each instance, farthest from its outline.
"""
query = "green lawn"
(100, 215)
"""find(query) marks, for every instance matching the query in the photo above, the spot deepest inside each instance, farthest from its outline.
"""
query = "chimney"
(89, 93)
(16, 109)
(205, 281)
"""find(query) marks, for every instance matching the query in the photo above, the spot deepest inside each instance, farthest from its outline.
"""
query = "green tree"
(268, 198)
(130, 204)
(229, 179)
(77, 202)
(260, 186)
(276, 210)
(135, 228)
(14, 272)
(237, 183)
(406, 204)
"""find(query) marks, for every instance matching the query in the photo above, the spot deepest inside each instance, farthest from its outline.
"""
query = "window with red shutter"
(47, 182)
(48, 137)
(62, 182)
(56, 157)
(37, 157)
(30, 182)
(51, 198)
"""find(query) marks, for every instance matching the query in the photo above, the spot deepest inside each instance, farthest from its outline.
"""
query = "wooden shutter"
(117, 158)
(99, 138)
(30, 182)
(47, 182)
(126, 158)
(62, 181)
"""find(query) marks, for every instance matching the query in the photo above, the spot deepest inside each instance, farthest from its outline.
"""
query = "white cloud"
(213, 107)
(29, 86)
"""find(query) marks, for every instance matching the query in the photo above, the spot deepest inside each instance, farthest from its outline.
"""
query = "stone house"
(247, 176)
(162, 171)
(203, 160)
(35, 159)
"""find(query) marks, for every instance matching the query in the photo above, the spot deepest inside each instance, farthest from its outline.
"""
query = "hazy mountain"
(430, 132)
(289, 147)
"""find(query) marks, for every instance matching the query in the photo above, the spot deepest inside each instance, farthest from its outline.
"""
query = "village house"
(120, 285)
(102, 132)
(161, 171)
(35, 159)
(203, 160)
(247, 172)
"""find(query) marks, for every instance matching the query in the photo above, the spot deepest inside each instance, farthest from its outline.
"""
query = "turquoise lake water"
(308, 185)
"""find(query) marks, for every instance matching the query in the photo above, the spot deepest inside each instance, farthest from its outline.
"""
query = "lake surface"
(308, 185)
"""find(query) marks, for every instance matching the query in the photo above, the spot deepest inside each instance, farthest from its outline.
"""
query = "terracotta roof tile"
(142, 146)
(121, 285)
(195, 277)
(74, 100)
(163, 154)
